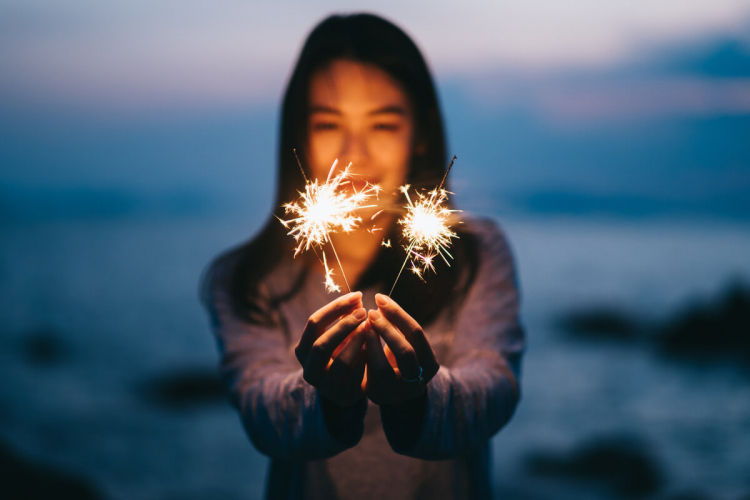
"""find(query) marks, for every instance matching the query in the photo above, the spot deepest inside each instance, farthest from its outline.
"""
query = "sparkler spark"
(427, 229)
(331, 285)
(326, 208)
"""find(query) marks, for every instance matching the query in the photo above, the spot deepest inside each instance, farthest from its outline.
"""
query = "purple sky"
(142, 55)
(618, 106)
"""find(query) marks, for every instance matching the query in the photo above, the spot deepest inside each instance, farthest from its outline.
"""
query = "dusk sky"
(141, 54)
(629, 99)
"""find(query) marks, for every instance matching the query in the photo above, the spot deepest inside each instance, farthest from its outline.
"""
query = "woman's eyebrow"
(392, 109)
(317, 108)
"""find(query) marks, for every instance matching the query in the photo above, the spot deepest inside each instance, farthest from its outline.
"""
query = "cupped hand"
(409, 348)
(332, 359)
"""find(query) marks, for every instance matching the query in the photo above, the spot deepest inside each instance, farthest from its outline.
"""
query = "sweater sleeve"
(284, 416)
(476, 392)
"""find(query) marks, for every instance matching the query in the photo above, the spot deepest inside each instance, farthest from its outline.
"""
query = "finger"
(322, 318)
(366, 355)
(353, 382)
(343, 363)
(391, 358)
(406, 358)
(413, 332)
(378, 368)
(341, 346)
(323, 348)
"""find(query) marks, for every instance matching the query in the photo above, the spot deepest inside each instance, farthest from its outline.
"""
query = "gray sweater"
(434, 447)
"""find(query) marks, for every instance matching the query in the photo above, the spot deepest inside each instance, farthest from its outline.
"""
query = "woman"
(341, 413)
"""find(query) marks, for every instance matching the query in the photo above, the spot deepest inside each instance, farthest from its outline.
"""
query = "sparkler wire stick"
(303, 170)
(328, 236)
(441, 182)
(439, 247)
(342, 269)
(408, 251)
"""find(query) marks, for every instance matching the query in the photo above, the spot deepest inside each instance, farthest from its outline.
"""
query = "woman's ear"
(420, 149)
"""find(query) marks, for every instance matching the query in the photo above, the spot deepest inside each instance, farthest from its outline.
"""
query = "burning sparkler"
(426, 229)
(325, 208)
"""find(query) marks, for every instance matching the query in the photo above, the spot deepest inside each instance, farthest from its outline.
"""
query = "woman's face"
(360, 114)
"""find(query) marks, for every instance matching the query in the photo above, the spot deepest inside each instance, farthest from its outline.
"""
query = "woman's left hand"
(408, 344)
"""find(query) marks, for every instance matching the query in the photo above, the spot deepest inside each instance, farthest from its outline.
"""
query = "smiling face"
(360, 114)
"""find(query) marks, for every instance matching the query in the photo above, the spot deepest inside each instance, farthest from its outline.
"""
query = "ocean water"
(122, 296)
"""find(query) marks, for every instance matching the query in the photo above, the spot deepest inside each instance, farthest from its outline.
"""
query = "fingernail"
(353, 296)
(381, 299)
(359, 314)
(374, 315)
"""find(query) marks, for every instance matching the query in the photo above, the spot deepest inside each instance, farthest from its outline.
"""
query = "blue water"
(123, 294)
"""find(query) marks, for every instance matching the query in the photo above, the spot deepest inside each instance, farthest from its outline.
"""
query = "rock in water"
(711, 331)
(600, 323)
(44, 348)
(620, 464)
(23, 479)
(186, 388)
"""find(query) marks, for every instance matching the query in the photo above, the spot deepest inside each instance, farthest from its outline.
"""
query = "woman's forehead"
(346, 86)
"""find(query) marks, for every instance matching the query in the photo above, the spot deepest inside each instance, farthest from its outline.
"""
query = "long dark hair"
(372, 40)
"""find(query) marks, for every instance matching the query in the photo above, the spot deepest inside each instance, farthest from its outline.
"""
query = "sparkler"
(427, 230)
(325, 208)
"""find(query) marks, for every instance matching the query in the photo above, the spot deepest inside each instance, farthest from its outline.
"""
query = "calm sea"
(122, 296)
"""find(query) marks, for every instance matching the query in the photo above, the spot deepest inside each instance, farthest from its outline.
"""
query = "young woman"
(399, 401)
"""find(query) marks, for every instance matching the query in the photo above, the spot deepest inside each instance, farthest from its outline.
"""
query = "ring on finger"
(419, 377)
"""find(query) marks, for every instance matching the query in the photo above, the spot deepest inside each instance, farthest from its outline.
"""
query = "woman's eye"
(325, 126)
(386, 126)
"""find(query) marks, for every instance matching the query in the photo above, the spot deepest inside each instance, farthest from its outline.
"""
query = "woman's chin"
(357, 244)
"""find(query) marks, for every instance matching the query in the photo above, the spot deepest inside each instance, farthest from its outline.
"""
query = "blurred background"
(611, 140)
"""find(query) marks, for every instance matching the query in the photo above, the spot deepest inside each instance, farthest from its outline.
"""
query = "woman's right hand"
(338, 380)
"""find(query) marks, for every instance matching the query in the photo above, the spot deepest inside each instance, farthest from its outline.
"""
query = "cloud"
(703, 77)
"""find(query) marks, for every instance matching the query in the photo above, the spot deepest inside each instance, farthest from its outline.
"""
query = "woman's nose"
(354, 148)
